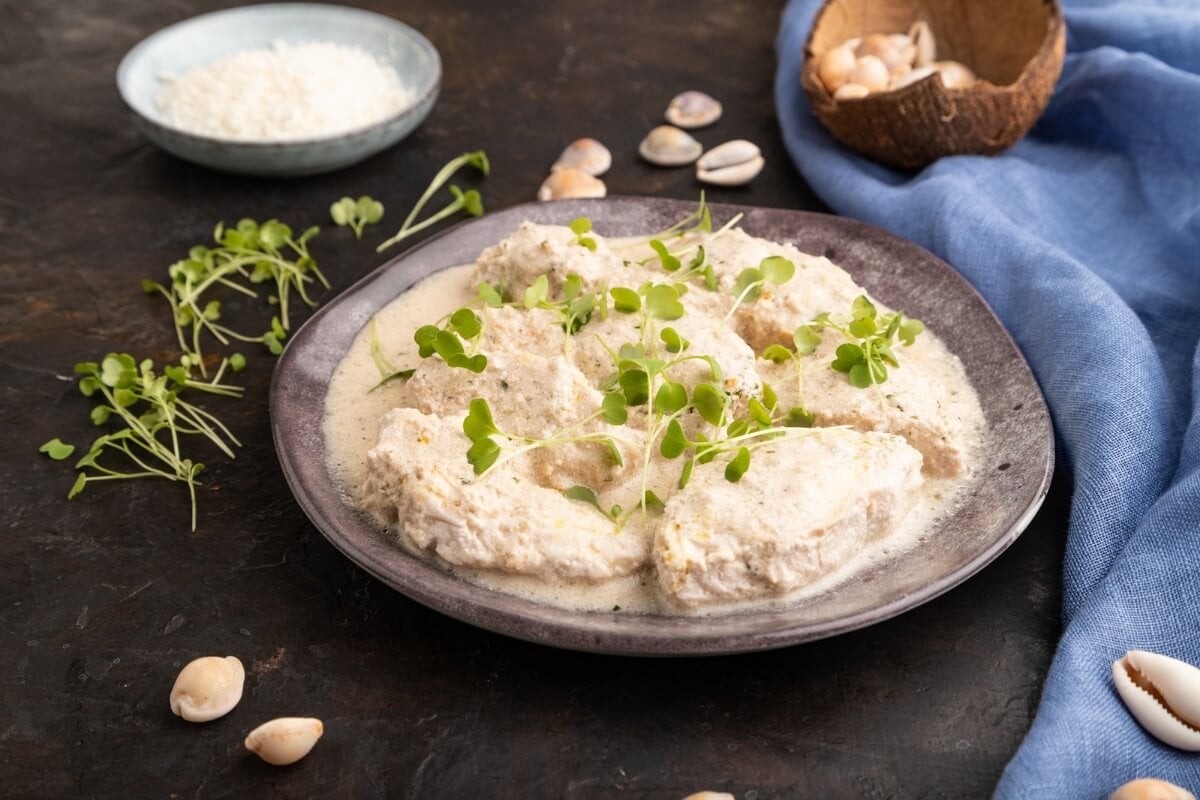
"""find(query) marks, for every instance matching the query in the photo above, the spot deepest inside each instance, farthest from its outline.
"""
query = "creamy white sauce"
(356, 405)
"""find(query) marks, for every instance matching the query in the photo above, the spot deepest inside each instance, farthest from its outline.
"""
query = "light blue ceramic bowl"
(205, 38)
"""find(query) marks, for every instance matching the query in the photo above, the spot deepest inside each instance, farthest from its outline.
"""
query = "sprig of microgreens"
(456, 341)
(865, 358)
(246, 255)
(485, 451)
(699, 221)
(750, 281)
(581, 226)
(574, 306)
(154, 420)
(470, 201)
(698, 267)
(356, 214)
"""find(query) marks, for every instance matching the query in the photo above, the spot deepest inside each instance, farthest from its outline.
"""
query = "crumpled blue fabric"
(1085, 239)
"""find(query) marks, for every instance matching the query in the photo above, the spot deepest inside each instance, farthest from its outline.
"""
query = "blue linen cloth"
(1085, 239)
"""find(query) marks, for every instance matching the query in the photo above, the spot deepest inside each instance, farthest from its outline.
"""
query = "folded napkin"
(1085, 239)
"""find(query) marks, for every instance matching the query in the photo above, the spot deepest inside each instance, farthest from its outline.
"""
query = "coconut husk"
(1015, 47)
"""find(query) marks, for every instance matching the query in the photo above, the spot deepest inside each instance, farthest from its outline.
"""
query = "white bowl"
(203, 39)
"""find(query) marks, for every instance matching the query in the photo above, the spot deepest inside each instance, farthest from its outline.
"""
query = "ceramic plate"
(208, 37)
(1011, 483)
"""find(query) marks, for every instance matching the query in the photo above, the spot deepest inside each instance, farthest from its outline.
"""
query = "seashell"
(693, 110)
(709, 795)
(870, 72)
(955, 75)
(285, 740)
(921, 35)
(563, 183)
(851, 91)
(1163, 694)
(668, 146)
(909, 78)
(733, 163)
(836, 67)
(893, 51)
(207, 688)
(585, 155)
(1151, 789)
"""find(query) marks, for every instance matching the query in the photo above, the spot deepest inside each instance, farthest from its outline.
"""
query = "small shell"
(733, 163)
(586, 155)
(908, 79)
(709, 795)
(668, 146)
(871, 73)
(564, 183)
(893, 51)
(208, 688)
(955, 75)
(836, 67)
(1151, 789)
(851, 91)
(693, 110)
(1163, 694)
(922, 38)
(285, 740)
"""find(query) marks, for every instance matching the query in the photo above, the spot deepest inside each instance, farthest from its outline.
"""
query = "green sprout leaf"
(673, 341)
(737, 467)
(798, 417)
(651, 502)
(673, 442)
(470, 201)
(777, 269)
(709, 402)
(490, 295)
(848, 355)
(478, 424)
(671, 397)
(57, 449)
(662, 301)
(748, 285)
(625, 300)
(777, 353)
(583, 494)
(580, 226)
(669, 262)
(612, 408)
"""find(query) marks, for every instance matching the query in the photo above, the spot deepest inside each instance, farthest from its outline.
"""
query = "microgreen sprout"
(456, 342)
(154, 421)
(868, 353)
(356, 214)
(244, 256)
(470, 201)
(57, 449)
(581, 226)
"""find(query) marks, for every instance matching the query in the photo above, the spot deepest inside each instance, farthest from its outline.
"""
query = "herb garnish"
(356, 214)
(470, 201)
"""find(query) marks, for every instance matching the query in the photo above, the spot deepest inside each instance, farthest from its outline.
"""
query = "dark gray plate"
(1017, 462)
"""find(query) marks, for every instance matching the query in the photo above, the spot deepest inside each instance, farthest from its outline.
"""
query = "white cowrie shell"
(208, 688)
(285, 740)
(586, 155)
(926, 46)
(955, 75)
(693, 110)
(1163, 694)
(870, 72)
(668, 146)
(709, 795)
(908, 79)
(733, 163)
(1151, 789)
(563, 183)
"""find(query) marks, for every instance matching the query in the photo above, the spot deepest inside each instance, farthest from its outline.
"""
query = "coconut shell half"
(1015, 47)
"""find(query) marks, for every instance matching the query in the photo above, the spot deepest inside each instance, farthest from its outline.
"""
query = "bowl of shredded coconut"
(280, 89)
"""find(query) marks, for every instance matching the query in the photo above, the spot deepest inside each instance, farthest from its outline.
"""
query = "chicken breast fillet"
(418, 475)
(806, 507)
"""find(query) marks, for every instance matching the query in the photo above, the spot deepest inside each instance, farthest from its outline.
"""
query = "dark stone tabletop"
(104, 598)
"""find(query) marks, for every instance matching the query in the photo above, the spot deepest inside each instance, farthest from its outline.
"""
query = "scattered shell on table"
(733, 163)
(285, 740)
(564, 183)
(1151, 789)
(207, 688)
(921, 36)
(586, 155)
(709, 795)
(1163, 694)
(668, 146)
(955, 75)
(693, 110)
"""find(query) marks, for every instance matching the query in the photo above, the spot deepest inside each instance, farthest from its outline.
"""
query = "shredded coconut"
(287, 92)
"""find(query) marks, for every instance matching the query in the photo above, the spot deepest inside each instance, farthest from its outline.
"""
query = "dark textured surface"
(104, 598)
(1012, 476)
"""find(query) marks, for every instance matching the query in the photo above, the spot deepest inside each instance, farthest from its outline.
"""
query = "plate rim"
(533, 628)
